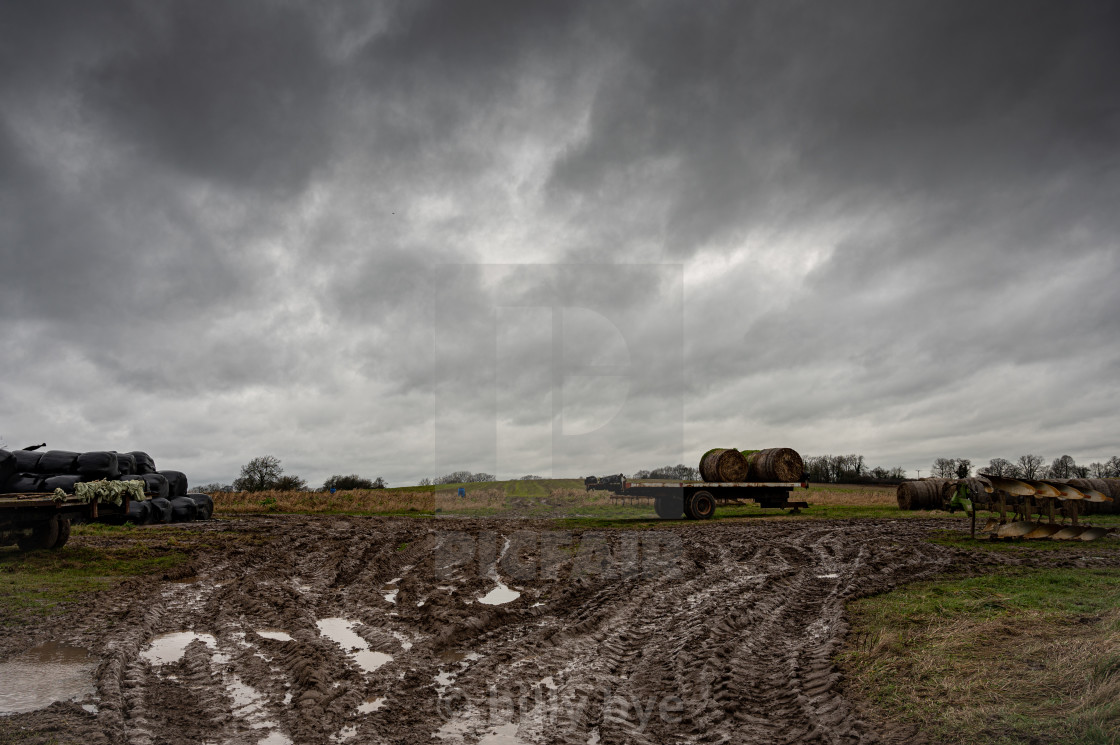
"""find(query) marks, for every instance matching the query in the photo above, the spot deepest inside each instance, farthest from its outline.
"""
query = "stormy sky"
(406, 238)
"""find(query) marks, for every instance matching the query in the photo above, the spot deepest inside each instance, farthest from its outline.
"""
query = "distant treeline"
(850, 469)
(1028, 467)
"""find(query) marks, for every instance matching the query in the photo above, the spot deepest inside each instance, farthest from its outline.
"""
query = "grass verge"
(39, 583)
(1021, 656)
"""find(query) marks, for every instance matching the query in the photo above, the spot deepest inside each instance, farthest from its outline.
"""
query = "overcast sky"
(406, 238)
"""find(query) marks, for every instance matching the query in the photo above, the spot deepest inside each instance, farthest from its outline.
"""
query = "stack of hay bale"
(33, 472)
(773, 465)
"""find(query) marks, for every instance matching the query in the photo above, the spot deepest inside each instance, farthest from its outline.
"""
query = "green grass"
(39, 583)
(1002, 658)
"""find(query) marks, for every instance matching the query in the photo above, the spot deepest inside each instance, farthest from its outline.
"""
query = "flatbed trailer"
(697, 500)
(43, 519)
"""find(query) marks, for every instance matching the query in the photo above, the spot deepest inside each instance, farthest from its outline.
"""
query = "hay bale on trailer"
(774, 464)
(723, 464)
(924, 494)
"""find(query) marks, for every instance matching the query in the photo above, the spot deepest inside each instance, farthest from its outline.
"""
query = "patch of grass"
(995, 659)
(37, 583)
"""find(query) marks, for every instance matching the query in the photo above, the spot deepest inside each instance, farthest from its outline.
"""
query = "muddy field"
(296, 629)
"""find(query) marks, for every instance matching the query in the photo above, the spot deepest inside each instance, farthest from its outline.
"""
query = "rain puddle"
(504, 734)
(828, 576)
(501, 594)
(44, 674)
(276, 737)
(390, 590)
(275, 634)
(451, 655)
(346, 733)
(368, 707)
(341, 632)
(167, 649)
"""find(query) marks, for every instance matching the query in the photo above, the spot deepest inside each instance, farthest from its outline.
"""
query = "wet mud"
(366, 630)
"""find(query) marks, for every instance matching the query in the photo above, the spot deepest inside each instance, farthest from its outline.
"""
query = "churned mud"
(366, 630)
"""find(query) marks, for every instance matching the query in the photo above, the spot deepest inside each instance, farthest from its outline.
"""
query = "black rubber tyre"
(700, 505)
(63, 533)
(44, 535)
(668, 508)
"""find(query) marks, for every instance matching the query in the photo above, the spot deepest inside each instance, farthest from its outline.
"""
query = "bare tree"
(999, 467)
(944, 468)
(425, 482)
(1030, 466)
(259, 474)
(963, 468)
(1061, 468)
(1113, 466)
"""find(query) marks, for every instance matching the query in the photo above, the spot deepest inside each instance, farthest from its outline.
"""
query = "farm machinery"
(1027, 508)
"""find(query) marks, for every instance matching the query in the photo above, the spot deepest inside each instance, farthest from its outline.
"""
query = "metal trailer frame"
(697, 500)
(42, 519)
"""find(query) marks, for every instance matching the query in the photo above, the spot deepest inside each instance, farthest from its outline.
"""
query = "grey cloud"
(233, 225)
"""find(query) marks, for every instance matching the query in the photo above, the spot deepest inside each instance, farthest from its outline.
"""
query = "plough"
(1023, 498)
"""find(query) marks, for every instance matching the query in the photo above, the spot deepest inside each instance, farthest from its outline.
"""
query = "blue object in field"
(462, 491)
(332, 490)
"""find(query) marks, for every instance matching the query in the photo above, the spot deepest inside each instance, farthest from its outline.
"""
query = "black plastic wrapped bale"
(160, 509)
(9, 467)
(126, 464)
(98, 464)
(58, 461)
(183, 510)
(28, 460)
(204, 503)
(176, 483)
(154, 484)
(65, 482)
(139, 512)
(24, 483)
(144, 463)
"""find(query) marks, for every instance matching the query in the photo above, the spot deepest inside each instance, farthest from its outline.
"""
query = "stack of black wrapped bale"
(169, 499)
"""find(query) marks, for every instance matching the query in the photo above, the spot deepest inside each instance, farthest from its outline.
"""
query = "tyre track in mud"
(691, 633)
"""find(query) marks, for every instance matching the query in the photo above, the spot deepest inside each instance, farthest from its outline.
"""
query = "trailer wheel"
(43, 535)
(668, 508)
(701, 505)
(63, 533)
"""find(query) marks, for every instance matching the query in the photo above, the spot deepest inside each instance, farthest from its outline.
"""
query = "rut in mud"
(320, 630)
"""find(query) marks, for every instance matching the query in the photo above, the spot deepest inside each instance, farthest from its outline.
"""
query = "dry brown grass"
(828, 495)
(358, 501)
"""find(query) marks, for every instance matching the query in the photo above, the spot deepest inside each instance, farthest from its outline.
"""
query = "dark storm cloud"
(225, 229)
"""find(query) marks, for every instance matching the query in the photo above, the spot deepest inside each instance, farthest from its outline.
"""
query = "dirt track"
(694, 633)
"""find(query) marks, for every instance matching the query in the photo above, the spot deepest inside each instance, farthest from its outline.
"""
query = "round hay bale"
(144, 463)
(774, 464)
(926, 494)
(58, 462)
(99, 464)
(9, 467)
(176, 483)
(27, 460)
(126, 463)
(1112, 490)
(723, 464)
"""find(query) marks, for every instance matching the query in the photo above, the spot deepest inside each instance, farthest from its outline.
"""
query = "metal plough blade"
(1092, 534)
(1016, 529)
(992, 524)
(1068, 533)
(1043, 531)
